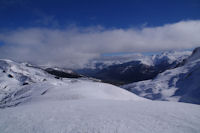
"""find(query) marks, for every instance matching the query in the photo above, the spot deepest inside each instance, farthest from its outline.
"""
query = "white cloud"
(72, 47)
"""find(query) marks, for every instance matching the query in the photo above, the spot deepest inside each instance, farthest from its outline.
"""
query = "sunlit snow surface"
(49, 105)
(101, 116)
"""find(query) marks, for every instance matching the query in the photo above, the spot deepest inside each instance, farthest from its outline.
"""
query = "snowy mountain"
(20, 82)
(34, 101)
(133, 68)
(105, 61)
(168, 56)
(179, 84)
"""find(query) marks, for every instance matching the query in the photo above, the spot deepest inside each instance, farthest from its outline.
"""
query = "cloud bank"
(74, 46)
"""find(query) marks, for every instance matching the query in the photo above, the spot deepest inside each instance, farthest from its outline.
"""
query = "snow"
(146, 60)
(13, 92)
(83, 106)
(179, 84)
(169, 56)
(101, 116)
(81, 89)
(105, 61)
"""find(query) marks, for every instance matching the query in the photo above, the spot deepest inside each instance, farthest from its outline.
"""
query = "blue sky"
(107, 13)
(72, 32)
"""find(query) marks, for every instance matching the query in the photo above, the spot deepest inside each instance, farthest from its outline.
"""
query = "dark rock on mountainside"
(129, 72)
(61, 73)
(138, 69)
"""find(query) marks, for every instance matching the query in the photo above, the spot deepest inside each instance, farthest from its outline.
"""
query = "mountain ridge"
(142, 67)
(178, 84)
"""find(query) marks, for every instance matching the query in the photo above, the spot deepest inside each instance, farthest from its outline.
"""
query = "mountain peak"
(195, 55)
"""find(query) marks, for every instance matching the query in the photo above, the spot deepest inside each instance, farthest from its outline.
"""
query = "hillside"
(179, 84)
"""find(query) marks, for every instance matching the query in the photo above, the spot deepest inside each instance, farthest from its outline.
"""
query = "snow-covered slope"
(179, 84)
(20, 83)
(101, 116)
(44, 104)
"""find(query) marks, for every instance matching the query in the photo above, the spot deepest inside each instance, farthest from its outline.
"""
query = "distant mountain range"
(179, 84)
(121, 70)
